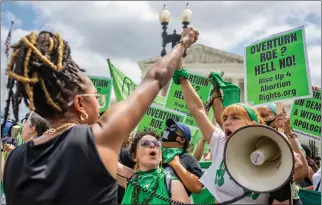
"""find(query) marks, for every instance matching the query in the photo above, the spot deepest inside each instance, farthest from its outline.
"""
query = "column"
(242, 90)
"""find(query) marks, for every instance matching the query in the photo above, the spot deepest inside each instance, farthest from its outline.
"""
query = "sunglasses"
(148, 143)
(24, 120)
(101, 99)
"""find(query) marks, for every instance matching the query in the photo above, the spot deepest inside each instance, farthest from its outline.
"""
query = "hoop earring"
(82, 118)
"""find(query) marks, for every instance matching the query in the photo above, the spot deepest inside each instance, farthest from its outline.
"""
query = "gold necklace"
(52, 131)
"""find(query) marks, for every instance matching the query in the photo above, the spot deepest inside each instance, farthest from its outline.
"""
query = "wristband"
(185, 48)
(178, 74)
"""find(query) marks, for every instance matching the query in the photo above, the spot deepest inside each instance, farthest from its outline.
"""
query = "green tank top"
(153, 180)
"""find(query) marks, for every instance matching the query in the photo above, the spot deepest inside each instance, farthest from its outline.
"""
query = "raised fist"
(189, 36)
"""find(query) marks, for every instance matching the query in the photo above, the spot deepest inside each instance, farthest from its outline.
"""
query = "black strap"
(318, 186)
(168, 181)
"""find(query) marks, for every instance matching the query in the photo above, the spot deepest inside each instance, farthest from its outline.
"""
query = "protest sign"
(306, 116)
(103, 85)
(277, 68)
(174, 99)
(155, 118)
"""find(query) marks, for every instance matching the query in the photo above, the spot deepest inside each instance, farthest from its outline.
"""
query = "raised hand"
(189, 36)
(282, 121)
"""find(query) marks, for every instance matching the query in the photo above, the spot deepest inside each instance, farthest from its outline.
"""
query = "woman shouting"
(75, 161)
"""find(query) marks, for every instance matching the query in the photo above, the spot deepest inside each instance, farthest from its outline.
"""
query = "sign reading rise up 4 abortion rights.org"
(155, 118)
(103, 86)
(276, 68)
(306, 116)
(175, 101)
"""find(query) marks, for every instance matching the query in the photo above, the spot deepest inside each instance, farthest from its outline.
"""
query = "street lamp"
(164, 17)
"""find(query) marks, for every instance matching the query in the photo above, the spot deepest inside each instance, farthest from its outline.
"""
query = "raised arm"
(197, 109)
(282, 121)
(123, 174)
(199, 149)
(217, 106)
(114, 126)
(190, 180)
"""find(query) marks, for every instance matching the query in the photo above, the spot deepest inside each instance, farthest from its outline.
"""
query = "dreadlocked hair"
(43, 74)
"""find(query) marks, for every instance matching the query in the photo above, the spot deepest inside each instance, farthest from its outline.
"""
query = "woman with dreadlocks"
(75, 161)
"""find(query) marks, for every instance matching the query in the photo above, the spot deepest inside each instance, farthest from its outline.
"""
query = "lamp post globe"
(164, 16)
(174, 38)
(186, 16)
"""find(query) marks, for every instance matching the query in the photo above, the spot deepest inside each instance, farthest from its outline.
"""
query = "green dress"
(153, 180)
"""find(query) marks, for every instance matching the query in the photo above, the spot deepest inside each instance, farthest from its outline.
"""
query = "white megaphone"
(15, 131)
(259, 158)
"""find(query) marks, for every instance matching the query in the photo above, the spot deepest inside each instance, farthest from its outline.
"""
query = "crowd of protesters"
(70, 154)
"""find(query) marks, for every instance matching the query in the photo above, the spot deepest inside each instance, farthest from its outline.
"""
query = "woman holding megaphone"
(233, 117)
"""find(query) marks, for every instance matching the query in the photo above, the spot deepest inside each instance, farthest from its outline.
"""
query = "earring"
(136, 167)
(82, 118)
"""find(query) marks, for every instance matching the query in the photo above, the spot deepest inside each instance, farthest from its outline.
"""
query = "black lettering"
(307, 126)
(293, 37)
(264, 68)
(252, 50)
(156, 124)
(273, 43)
(262, 57)
(317, 95)
(299, 102)
(178, 94)
(198, 80)
(128, 82)
(265, 80)
(287, 39)
(295, 112)
(313, 105)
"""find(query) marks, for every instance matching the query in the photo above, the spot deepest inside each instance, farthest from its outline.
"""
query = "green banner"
(103, 85)
(306, 116)
(156, 117)
(276, 68)
(123, 86)
(174, 99)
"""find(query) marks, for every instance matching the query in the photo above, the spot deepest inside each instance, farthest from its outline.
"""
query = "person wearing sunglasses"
(148, 174)
(176, 159)
(75, 161)
(33, 126)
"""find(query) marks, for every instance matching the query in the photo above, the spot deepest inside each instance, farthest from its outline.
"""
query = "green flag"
(231, 91)
(123, 85)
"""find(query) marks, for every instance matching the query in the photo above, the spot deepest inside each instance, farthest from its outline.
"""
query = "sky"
(127, 32)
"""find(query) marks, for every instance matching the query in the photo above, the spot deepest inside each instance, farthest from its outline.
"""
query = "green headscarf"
(250, 112)
(231, 91)
(169, 153)
(153, 180)
(272, 107)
